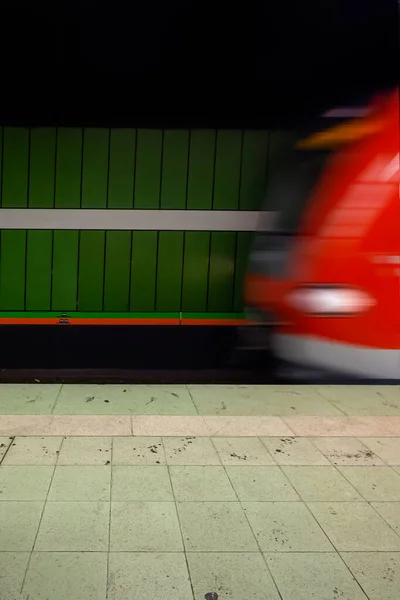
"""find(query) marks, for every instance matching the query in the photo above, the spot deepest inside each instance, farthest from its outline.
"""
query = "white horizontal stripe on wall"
(130, 220)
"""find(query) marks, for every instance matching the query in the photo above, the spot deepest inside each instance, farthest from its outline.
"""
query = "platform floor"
(313, 512)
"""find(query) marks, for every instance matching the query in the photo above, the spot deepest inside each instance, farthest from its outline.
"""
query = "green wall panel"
(94, 195)
(221, 272)
(243, 244)
(91, 270)
(15, 167)
(42, 163)
(95, 168)
(121, 168)
(195, 271)
(65, 271)
(12, 270)
(143, 270)
(68, 168)
(169, 271)
(174, 169)
(254, 169)
(201, 169)
(38, 270)
(227, 170)
(1, 159)
(117, 270)
(122, 271)
(148, 168)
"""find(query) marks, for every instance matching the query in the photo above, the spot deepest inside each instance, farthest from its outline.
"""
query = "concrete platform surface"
(198, 492)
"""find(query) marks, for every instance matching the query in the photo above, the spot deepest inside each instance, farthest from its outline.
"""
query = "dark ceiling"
(181, 63)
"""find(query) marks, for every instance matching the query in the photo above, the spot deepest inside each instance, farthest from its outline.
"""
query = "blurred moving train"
(327, 277)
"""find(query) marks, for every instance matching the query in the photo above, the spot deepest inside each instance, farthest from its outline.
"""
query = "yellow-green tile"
(321, 484)
(285, 527)
(25, 483)
(378, 573)
(322, 576)
(19, 525)
(80, 484)
(199, 483)
(145, 527)
(141, 484)
(33, 451)
(242, 451)
(354, 527)
(215, 527)
(261, 484)
(67, 576)
(231, 575)
(74, 527)
(161, 576)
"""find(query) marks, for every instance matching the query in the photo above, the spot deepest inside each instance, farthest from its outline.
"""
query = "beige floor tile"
(159, 425)
(85, 451)
(246, 426)
(390, 511)
(138, 451)
(190, 451)
(232, 576)
(141, 484)
(19, 525)
(145, 527)
(25, 483)
(199, 483)
(374, 483)
(285, 527)
(215, 527)
(157, 576)
(322, 576)
(242, 451)
(346, 451)
(67, 576)
(74, 527)
(388, 449)
(363, 399)
(321, 484)
(33, 451)
(261, 484)
(369, 426)
(294, 451)
(354, 527)
(378, 573)
(64, 425)
(81, 484)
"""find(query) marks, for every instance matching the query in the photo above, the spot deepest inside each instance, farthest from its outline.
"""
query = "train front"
(323, 272)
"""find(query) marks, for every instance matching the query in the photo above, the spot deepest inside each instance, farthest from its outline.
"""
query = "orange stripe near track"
(96, 321)
(39, 321)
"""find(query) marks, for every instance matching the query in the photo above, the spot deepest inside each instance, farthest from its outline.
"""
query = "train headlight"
(335, 301)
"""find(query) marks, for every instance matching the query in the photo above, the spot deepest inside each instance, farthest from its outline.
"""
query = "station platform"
(196, 492)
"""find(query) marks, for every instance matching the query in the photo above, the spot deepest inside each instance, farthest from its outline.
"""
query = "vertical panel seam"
(79, 231)
(27, 204)
(159, 206)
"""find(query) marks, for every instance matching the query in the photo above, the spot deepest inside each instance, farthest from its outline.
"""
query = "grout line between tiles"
(179, 523)
(56, 400)
(41, 518)
(254, 534)
(109, 517)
